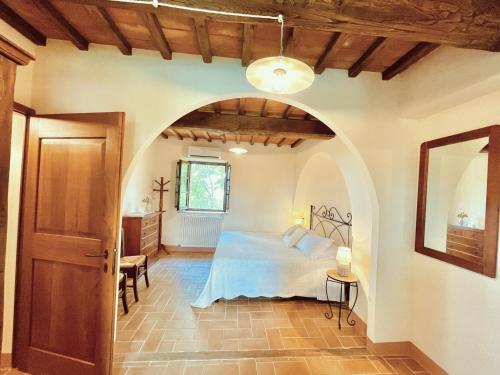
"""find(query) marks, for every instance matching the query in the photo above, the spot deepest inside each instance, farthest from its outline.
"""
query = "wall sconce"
(344, 258)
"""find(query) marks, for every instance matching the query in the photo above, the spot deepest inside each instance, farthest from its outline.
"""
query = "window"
(202, 186)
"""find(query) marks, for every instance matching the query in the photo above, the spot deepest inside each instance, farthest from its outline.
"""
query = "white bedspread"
(260, 265)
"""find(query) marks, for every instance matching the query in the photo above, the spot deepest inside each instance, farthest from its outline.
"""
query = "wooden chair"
(134, 266)
(122, 291)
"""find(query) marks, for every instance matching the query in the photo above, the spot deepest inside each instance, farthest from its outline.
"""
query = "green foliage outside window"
(202, 186)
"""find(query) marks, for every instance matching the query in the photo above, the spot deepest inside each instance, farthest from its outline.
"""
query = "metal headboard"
(331, 222)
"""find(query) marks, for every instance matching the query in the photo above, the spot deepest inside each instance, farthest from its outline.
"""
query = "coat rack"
(161, 189)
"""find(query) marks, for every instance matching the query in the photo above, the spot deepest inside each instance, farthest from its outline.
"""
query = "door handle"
(104, 255)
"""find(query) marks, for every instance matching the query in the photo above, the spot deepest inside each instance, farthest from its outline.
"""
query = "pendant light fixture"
(280, 74)
(277, 74)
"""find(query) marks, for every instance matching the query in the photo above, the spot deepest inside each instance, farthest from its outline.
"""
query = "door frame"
(11, 55)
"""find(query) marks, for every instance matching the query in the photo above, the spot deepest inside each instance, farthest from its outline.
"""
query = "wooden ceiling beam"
(192, 135)
(245, 125)
(71, 32)
(22, 26)
(157, 36)
(252, 140)
(241, 106)
(291, 40)
(466, 24)
(367, 57)
(176, 133)
(203, 40)
(216, 107)
(123, 44)
(164, 135)
(418, 52)
(297, 143)
(282, 142)
(223, 138)
(238, 139)
(207, 136)
(265, 108)
(334, 45)
(288, 111)
(246, 49)
(266, 142)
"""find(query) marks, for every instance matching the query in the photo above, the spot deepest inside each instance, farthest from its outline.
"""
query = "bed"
(256, 264)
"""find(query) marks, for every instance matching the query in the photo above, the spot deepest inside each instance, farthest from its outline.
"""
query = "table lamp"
(344, 259)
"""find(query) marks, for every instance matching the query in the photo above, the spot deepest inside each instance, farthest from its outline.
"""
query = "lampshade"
(344, 255)
(280, 75)
(238, 150)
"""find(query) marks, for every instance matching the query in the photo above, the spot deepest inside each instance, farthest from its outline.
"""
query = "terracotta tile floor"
(163, 334)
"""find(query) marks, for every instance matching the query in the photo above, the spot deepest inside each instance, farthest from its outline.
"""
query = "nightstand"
(345, 282)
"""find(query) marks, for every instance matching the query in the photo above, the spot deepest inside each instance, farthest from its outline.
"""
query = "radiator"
(200, 230)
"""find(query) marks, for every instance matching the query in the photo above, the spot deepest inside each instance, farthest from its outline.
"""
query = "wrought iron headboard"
(331, 222)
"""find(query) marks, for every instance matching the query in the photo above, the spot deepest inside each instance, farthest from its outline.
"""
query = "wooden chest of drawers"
(141, 234)
(465, 242)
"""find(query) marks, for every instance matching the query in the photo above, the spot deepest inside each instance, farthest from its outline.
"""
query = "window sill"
(187, 212)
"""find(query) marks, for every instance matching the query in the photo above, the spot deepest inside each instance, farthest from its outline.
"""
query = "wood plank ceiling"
(250, 120)
(385, 36)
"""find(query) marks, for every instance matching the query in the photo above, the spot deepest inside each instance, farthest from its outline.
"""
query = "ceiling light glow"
(238, 150)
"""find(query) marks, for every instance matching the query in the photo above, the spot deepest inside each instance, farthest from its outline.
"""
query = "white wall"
(460, 331)
(262, 185)
(319, 182)
(454, 314)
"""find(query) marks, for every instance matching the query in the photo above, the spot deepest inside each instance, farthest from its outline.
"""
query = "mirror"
(457, 214)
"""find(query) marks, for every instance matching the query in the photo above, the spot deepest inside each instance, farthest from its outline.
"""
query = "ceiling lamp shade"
(280, 75)
(238, 150)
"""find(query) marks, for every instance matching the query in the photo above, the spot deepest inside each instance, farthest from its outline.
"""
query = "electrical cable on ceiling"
(278, 74)
(156, 4)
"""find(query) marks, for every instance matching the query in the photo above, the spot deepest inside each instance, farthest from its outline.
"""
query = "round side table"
(332, 276)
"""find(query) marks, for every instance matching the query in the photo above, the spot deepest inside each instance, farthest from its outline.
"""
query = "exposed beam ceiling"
(123, 44)
(203, 40)
(245, 125)
(23, 27)
(156, 32)
(246, 52)
(467, 24)
(417, 53)
(376, 46)
(334, 45)
(73, 34)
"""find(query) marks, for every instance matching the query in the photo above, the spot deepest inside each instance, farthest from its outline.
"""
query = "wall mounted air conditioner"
(204, 153)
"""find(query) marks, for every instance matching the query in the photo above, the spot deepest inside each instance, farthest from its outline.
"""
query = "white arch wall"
(154, 93)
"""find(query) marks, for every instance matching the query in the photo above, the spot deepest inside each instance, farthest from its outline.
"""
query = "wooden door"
(66, 284)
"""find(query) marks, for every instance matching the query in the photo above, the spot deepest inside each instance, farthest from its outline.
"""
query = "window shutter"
(181, 185)
(177, 184)
(228, 187)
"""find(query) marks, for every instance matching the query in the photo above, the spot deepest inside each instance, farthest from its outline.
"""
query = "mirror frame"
(488, 265)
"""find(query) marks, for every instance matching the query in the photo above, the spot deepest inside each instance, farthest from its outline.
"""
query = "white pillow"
(290, 230)
(294, 236)
(313, 245)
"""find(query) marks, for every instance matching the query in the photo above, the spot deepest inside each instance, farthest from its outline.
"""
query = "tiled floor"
(163, 334)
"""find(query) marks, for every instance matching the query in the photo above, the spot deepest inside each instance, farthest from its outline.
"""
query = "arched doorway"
(364, 204)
